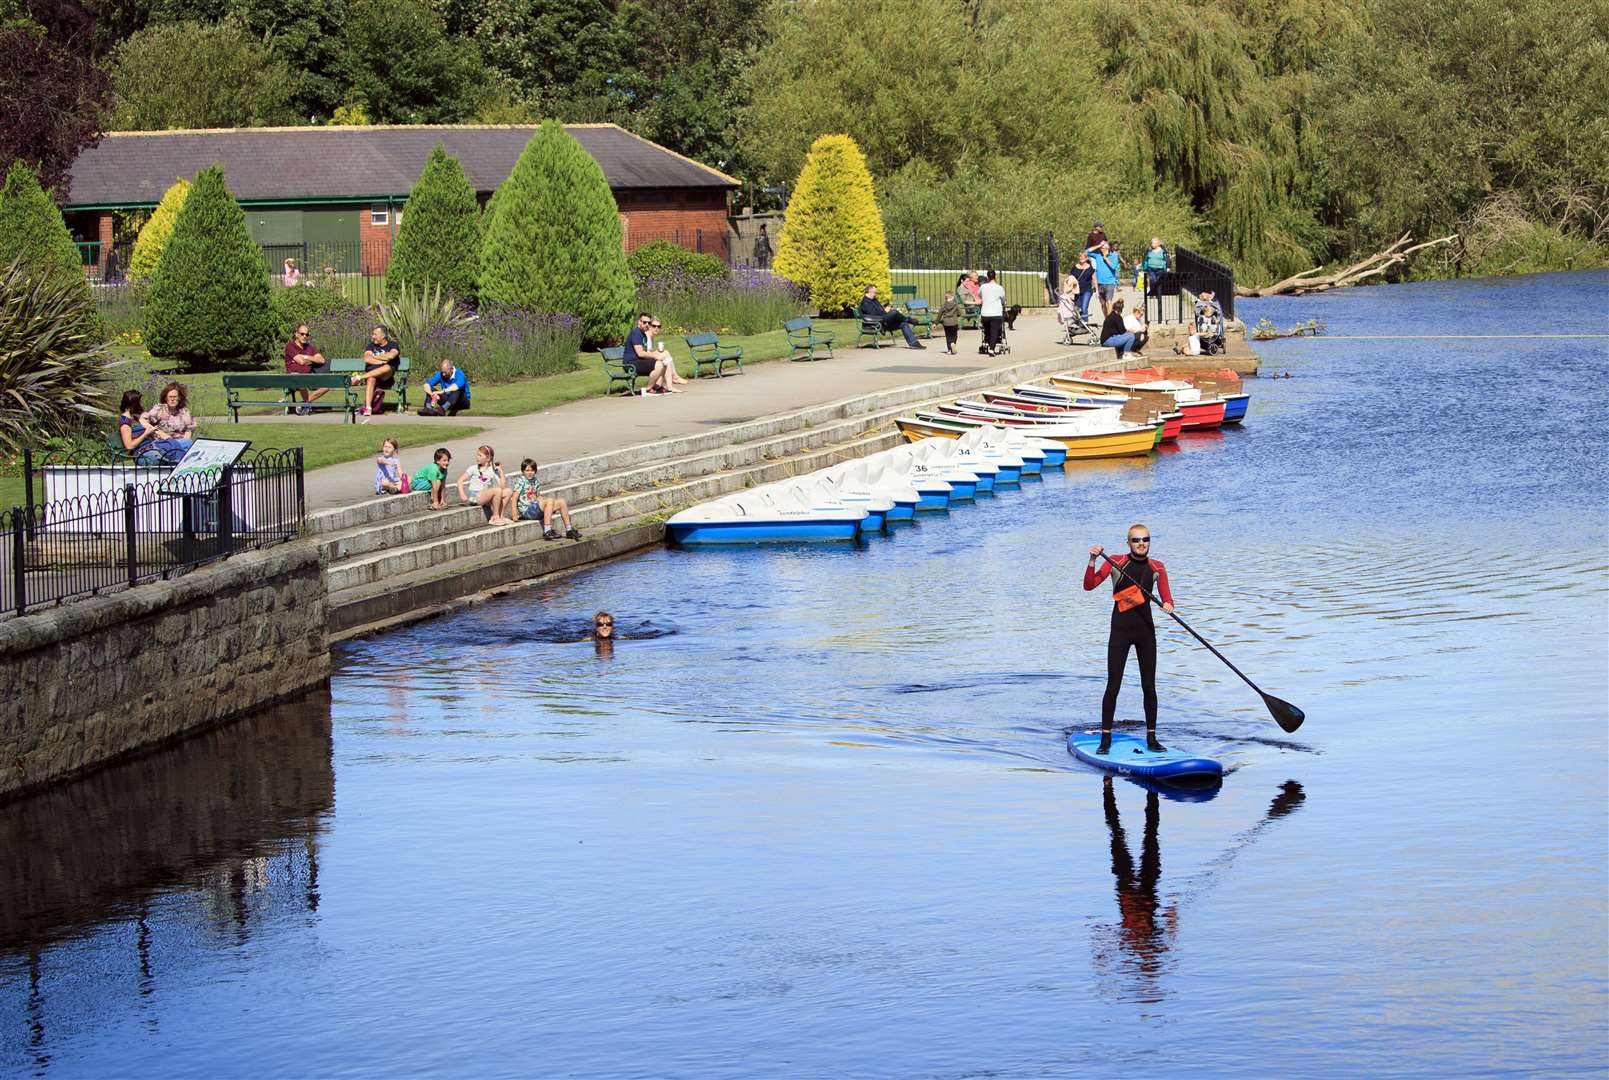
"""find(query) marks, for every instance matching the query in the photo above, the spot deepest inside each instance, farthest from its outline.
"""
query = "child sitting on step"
(531, 505)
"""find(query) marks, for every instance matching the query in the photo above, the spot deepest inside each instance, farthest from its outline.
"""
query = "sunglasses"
(1139, 539)
(605, 625)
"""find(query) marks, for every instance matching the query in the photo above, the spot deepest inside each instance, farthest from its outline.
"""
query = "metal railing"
(106, 522)
(915, 251)
(1196, 272)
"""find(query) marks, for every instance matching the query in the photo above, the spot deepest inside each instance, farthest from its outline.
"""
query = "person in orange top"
(1131, 624)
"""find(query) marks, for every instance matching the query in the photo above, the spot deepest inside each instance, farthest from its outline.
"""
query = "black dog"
(1011, 316)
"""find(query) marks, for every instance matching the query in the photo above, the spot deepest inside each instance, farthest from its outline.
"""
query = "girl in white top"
(672, 376)
(488, 487)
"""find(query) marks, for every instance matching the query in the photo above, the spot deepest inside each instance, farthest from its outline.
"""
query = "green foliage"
(438, 242)
(194, 75)
(552, 239)
(747, 302)
(153, 238)
(413, 312)
(423, 77)
(54, 368)
(33, 234)
(560, 55)
(209, 301)
(306, 304)
(832, 242)
(662, 259)
(349, 116)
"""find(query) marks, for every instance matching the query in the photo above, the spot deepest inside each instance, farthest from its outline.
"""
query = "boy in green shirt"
(531, 505)
(434, 477)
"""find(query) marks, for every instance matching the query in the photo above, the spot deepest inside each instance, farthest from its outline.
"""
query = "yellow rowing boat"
(1129, 440)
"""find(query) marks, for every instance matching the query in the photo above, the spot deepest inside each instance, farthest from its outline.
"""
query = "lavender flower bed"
(745, 302)
(503, 344)
(343, 333)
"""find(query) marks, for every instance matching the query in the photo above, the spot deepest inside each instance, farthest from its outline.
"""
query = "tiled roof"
(314, 163)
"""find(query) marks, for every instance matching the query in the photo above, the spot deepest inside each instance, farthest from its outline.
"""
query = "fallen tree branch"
(1378, 263)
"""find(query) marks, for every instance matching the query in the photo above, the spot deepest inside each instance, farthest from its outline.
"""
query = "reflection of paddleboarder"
(1131, 625)
(1142, 934)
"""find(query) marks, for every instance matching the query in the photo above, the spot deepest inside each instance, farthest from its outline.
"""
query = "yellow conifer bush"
(154, 235)
(832, 239)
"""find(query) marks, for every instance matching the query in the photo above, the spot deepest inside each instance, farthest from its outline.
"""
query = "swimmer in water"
(603, 633)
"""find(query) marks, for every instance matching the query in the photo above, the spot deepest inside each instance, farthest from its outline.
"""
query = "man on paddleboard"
(1131, 624)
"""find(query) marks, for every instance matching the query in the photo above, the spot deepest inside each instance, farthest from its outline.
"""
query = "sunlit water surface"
(817, 819)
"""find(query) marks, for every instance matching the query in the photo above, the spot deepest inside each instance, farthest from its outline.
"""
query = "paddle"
(1286, 715)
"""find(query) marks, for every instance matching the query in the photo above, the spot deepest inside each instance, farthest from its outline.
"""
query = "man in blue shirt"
(446, 391)
(1107, 268)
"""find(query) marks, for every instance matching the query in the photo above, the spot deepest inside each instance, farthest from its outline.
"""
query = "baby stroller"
(1210, 327)
(1074, 327)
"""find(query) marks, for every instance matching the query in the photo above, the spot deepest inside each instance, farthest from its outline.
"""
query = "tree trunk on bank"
(1315, 280)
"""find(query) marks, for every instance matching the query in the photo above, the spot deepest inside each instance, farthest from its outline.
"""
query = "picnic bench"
(254, 389)
(803, 340)
(618, 368)
(707, 350)
(350, 367)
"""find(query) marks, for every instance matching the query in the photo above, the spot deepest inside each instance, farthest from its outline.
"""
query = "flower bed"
(746, 302)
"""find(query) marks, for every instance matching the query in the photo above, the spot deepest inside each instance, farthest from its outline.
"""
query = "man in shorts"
(650, 365)
(303, 358)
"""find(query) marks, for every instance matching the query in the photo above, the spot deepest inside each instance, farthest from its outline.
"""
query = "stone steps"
(391, 558)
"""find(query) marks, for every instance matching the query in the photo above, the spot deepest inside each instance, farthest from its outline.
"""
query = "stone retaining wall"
(93, 681)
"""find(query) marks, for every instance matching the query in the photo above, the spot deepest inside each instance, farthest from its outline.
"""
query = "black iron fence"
(104, 523)
(1194, 273)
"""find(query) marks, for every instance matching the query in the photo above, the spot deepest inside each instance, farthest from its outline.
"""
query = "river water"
(817, 819)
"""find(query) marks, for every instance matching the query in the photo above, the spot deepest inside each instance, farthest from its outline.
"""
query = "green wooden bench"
(399, 386)
(902, 293)
(920, 316)
(871, 332)
(618, 368)
(803, 340)
(971, 316)
(284, 383)
(708, 351)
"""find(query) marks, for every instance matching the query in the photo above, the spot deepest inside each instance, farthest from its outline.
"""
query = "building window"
(378, 215)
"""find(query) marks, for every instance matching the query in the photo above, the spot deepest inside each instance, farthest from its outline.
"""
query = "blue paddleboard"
(1129, 757)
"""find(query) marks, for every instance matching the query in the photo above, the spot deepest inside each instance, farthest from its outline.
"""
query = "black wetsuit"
(1131, 629)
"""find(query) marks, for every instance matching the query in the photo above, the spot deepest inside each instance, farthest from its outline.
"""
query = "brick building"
(334, 195)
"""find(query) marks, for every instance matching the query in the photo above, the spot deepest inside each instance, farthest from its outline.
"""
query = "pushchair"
(1074, 327)
(1210, 327)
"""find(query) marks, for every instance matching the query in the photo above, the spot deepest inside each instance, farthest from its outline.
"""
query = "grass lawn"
(322, 444)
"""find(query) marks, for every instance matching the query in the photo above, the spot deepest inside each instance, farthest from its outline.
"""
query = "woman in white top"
(992, 298)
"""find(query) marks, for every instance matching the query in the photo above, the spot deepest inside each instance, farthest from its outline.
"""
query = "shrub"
(660, 259)
(342, 331)
(154, 234)
(747, 302)
(414, 312)
(122, 311)
(55, 371)
(552, 238)
(832, 241)
(505, 343)
(33, 234)
(209, 303)
(306, 304)
(438, 242)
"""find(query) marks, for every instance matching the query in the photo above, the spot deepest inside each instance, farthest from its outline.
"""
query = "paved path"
(594, 425)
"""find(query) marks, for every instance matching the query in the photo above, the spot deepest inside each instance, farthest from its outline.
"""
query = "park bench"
(707, 350)
(282, 384)
(400, 385)
(618, 368)
(871, 332)
(903, 293)
(803, 340)
(920, 316)
(971, 316)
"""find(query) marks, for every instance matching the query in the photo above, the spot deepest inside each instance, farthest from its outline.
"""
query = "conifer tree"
(209, 303)
(832, 240)
(153, 238)
(438, 242)
(552, 239)
(33, 233)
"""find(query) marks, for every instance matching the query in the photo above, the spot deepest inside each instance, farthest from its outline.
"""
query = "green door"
(331, 235)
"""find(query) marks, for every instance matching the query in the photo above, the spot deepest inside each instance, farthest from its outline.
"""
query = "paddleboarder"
(1131, 624)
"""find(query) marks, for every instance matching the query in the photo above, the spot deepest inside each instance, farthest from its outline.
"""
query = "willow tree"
(832, 241)
(1218, 108)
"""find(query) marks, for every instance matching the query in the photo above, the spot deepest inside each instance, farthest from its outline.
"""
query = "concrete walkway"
(595, 425)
